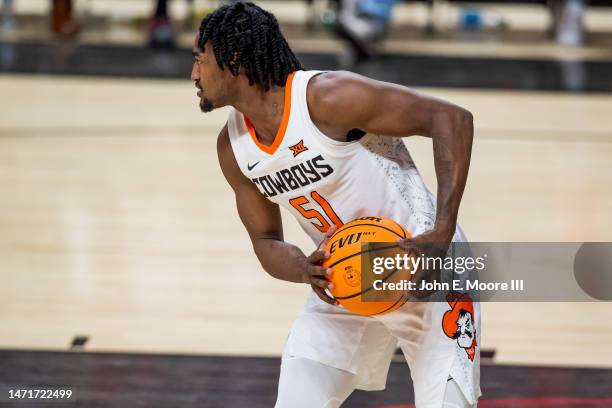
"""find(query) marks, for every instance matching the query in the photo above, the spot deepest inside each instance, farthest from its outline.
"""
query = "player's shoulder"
(324, 86)
(224, 146)
(329, 93)
(227, 160)
(223, 137)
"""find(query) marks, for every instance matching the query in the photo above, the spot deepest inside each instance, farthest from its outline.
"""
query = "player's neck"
(264, 110)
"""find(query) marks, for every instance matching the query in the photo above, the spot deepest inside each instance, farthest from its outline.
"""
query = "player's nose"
(195, 75)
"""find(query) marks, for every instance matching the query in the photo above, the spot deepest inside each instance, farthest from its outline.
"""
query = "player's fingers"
(405, 244)
(321, 283)
(324, 296)
(409, 246)
(320, 271)
(318, 256)
(330, 231)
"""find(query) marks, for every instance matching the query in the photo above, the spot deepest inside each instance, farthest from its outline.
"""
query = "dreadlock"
(244, 35)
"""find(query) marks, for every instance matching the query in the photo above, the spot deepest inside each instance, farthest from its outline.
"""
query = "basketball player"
(327, 146)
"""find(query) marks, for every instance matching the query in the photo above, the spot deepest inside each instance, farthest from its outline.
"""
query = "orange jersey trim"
(280, 134)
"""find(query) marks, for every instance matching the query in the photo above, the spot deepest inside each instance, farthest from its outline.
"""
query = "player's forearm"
(280, 259)
(452, 135)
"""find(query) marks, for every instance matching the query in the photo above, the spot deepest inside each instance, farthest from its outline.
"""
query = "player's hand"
(316, 275)
(431, 244)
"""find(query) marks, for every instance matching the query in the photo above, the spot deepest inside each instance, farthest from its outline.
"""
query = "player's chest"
(291, 170)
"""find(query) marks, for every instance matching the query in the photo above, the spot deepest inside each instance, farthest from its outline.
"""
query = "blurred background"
(119, 235)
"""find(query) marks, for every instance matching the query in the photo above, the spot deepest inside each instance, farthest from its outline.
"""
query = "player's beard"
(206, 105)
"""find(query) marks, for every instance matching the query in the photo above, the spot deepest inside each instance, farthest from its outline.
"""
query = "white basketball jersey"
(324, 182)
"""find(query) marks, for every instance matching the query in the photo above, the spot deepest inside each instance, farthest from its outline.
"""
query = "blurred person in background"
(161, 33)
(363, 23)
(62, 20)
(7, 20)
(567, 21)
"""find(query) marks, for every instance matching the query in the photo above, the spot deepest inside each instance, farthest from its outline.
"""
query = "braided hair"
(244, 35)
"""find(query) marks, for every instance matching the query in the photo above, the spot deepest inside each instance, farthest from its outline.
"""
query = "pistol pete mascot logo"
(458, 323)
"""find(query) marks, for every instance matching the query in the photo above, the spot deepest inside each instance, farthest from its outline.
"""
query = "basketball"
(353, 248)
